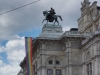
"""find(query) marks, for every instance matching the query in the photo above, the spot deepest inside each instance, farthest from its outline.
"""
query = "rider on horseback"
(52, 13)
(50, 16)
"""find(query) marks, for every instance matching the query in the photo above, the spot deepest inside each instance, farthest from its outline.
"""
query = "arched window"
(53, 62)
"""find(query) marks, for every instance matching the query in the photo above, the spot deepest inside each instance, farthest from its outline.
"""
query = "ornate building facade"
(74, 52)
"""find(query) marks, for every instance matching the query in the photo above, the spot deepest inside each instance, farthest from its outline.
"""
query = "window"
(89, 69)
(58, 72)
(49, 71)
(50, 62)
(57, 62)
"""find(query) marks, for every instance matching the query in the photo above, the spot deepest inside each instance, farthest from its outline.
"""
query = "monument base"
(52, 31)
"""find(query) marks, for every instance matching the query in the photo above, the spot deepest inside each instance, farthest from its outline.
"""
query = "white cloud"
(1, 63)
(15, 53)
(9, 70)
(2, 49)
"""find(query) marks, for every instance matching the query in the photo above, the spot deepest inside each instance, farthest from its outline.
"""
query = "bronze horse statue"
(51, 18)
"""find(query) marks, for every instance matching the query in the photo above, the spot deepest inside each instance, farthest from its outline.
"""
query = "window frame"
(58, 70)
(50, 62)
(57, 62)
(51, 71)
(89, 68)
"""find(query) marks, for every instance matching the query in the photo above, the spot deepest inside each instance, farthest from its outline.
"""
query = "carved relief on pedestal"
(52, 28)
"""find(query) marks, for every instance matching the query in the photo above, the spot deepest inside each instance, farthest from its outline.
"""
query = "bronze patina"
(51, 17)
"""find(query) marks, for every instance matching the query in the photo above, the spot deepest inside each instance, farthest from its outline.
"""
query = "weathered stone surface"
(51, 31)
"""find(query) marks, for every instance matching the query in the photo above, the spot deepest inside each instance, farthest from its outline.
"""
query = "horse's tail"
(60, 17)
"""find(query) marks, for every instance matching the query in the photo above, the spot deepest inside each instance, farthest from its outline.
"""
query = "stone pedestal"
(51, 31)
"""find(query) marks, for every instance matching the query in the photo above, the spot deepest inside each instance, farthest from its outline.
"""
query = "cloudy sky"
(27, 21)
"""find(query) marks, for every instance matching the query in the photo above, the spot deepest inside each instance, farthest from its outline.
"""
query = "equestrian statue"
(50, 16)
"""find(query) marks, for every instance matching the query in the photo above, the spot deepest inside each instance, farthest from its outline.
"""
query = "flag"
(28, 49)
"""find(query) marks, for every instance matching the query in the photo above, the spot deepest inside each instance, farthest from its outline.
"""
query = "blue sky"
(33, 33)
(27, 22)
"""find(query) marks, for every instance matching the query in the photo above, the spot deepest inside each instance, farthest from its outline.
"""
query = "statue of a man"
(52, 11)
(50, 16)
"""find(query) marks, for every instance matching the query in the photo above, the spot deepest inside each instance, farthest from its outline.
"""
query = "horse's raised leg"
(43, 20)
(47, 22)
(57, 22)
(54, 22)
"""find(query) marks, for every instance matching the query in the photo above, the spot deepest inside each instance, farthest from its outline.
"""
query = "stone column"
(98, 66)
(43, 71)
(64, 71)
(95, 67)
(84, 70)
(68, 58)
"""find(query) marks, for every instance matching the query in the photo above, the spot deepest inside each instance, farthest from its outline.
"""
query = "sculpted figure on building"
(50, 16)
